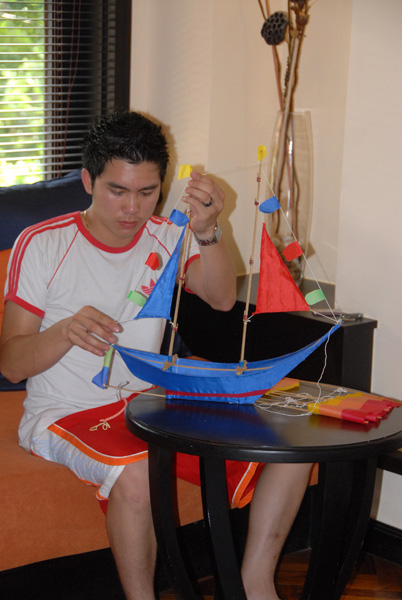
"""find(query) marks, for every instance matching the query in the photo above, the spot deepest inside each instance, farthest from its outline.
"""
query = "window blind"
(62, 62)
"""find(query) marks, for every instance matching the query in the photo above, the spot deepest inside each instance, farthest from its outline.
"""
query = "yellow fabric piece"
(262, 152)
(184, 171)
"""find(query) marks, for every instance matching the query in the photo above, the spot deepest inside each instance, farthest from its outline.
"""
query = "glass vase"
(291, 178)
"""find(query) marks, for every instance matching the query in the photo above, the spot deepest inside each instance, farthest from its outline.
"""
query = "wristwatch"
(214, 239)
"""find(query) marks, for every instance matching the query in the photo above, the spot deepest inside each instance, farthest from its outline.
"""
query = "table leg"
(216, 512)
(345, 492)
(358, 517)
(162, 494)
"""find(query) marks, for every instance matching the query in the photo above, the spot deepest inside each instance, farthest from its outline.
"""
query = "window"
(62, 62)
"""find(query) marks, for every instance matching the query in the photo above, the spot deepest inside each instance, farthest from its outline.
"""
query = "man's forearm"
(24, 356)
(214, 276)
(25, 351)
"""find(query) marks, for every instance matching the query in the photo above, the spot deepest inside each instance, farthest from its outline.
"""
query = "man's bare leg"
(131, 533)
(277, 498)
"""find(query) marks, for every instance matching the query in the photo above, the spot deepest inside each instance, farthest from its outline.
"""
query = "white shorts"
(54, 448)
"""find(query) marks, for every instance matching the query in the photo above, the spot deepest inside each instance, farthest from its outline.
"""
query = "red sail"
(277, 291)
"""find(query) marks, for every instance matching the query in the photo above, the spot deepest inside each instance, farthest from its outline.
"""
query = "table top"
(247, 432)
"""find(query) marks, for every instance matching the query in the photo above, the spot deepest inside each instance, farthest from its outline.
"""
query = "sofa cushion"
(4, 256)
(24, 205)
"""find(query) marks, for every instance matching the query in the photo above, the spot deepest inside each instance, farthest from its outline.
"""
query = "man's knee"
(132, 485)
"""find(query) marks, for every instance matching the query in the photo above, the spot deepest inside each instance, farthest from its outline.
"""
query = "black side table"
(347, 453)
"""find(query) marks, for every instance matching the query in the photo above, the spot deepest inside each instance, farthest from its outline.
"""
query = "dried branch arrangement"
(278, 27)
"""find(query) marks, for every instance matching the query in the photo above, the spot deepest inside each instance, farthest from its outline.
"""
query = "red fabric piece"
(152, 261)
(357, 416)
(103, 503)
(292, 251)
(377, 407)
(380, 402)
(358, 407)
(277, 291)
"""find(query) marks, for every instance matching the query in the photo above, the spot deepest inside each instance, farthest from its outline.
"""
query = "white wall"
(202, 69)
(370, 245)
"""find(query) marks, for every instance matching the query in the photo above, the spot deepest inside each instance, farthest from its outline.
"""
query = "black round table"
(347, 453)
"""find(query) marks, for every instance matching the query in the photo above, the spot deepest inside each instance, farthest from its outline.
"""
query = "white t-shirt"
(56, 268)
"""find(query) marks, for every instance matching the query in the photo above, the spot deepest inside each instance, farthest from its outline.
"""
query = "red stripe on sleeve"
(30, 307)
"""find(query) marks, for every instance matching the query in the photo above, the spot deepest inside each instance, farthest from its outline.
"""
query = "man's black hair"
(124, 135)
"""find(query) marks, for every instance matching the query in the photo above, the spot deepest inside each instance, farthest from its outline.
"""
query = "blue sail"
(158, 304)
(217, 382)
(160, 301)
(101, 378)
(178, 218)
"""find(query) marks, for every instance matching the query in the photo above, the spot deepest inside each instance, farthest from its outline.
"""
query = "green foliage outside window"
(22, 73)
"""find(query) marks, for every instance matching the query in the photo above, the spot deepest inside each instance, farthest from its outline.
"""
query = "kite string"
(141, 273)
(294, 402)
(155, 245)
(104, 423)
(233, 170)
(305, 259)
(307, 264)
(222, 171)
(165, 224)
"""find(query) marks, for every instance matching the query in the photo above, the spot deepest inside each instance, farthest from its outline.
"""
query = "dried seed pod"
(274, 28)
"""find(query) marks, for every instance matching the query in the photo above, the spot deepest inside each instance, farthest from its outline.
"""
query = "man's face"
(123, 199)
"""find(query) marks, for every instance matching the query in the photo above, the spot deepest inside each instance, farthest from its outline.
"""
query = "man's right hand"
(92, 330)
(26, 351)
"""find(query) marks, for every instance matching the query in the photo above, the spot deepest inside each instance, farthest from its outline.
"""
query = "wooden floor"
(373, 578)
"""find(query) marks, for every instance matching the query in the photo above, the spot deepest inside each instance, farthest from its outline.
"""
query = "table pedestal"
(341, 513)
(343, 504)
(346, 452)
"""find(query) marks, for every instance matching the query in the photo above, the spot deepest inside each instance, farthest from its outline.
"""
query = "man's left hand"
(206, 201)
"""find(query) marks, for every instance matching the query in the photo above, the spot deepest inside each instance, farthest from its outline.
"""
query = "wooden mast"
(242, 363)
(172, 359)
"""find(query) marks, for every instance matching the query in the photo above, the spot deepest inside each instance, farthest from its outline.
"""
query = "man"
(66, 302)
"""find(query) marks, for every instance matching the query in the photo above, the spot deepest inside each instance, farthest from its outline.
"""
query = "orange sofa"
(45, 511)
